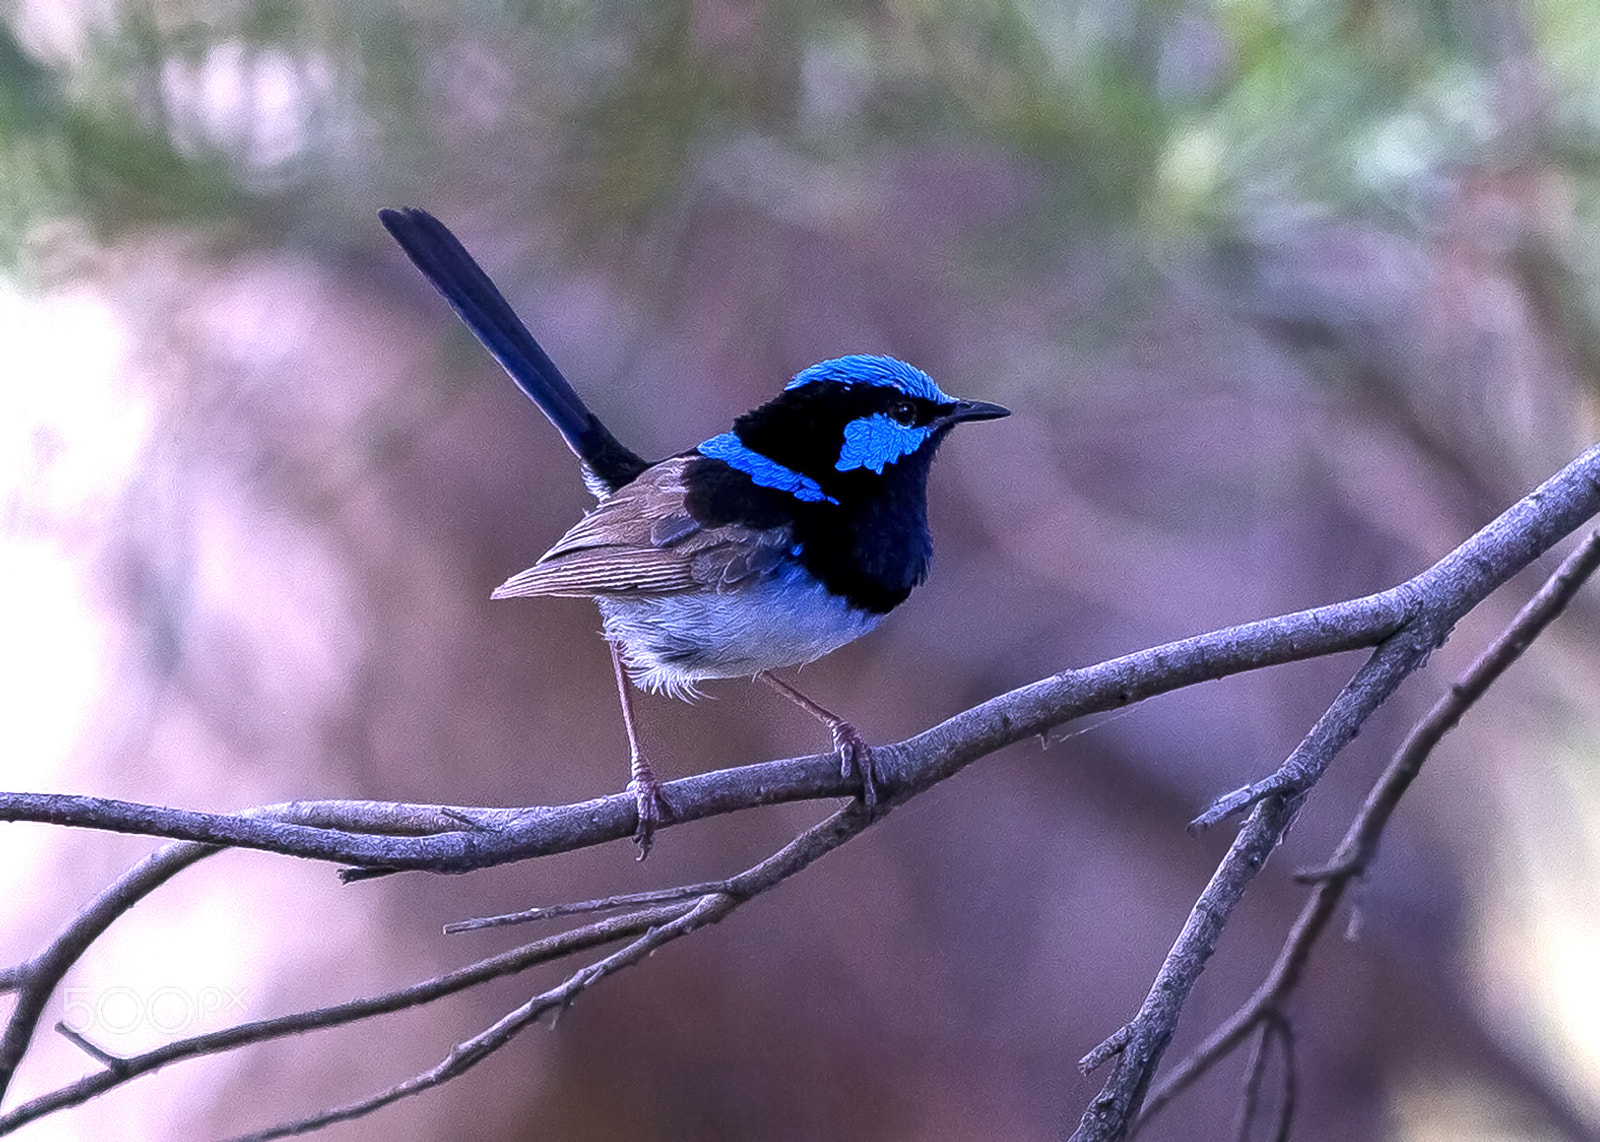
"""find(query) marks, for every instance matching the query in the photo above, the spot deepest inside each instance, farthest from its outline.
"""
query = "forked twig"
(1360, 844)
(1275, 1031)
(1139, 1045)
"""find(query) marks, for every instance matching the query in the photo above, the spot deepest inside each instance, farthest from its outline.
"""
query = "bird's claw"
(652, 810)
(855, 760)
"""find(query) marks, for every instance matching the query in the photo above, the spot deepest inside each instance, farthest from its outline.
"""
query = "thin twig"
(262, 1030)
(585, 907)
(1291, 1081)
(112, 1063)
(1138, 1045)
(1275, 1031)
(468, 1053)
(798, 854)
(1255, 1071)
(36, 980)
(1372, 685)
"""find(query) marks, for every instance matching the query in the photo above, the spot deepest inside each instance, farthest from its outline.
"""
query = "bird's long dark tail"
(444, 261)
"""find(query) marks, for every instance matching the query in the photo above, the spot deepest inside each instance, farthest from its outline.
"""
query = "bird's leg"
(646, 788)
(855, 755)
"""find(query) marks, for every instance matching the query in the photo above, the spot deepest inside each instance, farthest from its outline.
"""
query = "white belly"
(781, 619)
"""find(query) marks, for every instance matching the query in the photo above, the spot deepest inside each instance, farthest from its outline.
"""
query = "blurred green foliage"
(1177, 116)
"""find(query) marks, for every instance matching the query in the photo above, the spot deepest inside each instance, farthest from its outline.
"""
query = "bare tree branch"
(1139, 1045)
(1360, 844)
(468, 1053)
(1404, 623)
(1439, 597)
(583, 907)
(650, 927)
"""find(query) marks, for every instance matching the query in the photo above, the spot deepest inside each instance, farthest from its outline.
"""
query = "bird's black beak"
(975, 410)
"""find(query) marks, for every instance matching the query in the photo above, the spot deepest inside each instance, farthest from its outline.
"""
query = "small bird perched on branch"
(766, 546)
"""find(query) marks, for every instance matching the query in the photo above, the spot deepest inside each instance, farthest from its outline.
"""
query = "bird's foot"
(651, 802)
(855, 755)
(855, 760)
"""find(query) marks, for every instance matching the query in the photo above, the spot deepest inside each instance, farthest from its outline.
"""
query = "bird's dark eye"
(903, 412)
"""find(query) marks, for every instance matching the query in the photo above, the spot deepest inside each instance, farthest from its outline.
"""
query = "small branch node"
(1113, 1045)
(462, 818)
(1339, 869)
(353, 875)
(116, 1064)
(1246, 797)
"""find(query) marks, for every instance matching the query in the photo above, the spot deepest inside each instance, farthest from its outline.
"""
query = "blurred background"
(1288, 299)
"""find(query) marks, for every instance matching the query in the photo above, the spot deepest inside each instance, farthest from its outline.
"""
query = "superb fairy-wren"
(766, 546)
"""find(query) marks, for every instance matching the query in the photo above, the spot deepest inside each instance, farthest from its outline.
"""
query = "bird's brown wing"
(641, 540)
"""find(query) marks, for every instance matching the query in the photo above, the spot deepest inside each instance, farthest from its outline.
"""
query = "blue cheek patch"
(763, 470)
(874, 441)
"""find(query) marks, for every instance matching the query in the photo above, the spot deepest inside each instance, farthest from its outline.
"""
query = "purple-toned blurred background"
(1287, 300)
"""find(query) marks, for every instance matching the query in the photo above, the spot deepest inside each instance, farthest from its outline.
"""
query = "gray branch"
(1405, 624)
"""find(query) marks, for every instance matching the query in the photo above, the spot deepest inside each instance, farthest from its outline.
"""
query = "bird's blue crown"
(869, 369)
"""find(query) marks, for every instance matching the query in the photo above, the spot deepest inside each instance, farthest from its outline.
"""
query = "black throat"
(874, 547)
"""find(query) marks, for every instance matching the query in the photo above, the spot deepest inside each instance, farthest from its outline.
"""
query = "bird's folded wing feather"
(641, 540)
